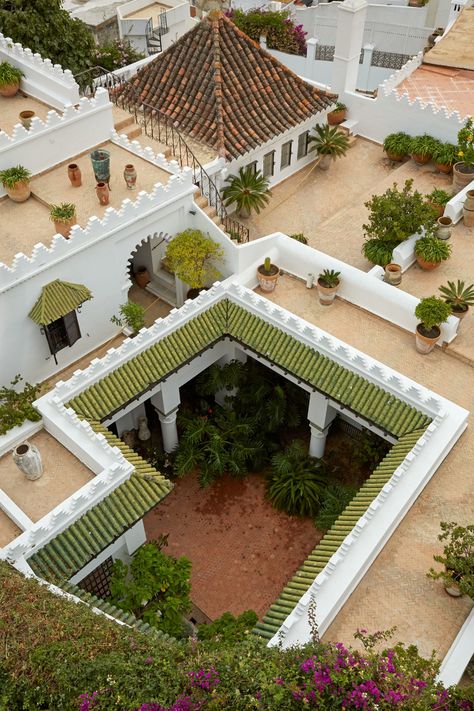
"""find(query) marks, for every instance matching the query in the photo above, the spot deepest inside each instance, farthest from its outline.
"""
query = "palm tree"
(249, 189)
(328, 141)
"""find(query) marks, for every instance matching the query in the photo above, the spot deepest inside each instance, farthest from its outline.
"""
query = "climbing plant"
(16, 405)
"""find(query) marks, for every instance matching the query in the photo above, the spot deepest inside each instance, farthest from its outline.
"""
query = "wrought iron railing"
(159, 126)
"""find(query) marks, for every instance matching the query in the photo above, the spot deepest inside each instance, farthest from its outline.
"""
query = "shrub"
(17, 406)
(11, 176)
(445, 154)
(423, 146)
(378, 251)
(369, 450)
(116, 54)
(131, 315)
(190, 255)
(278, 27)
(432, 312)
(297, 481)
(397, 214)
(397, 143)
(457, 558)
(9, 74)
(432, 249)
(228, 628)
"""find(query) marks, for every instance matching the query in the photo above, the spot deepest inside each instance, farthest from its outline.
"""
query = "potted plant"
(431, 312)
(16, 182)
(191, 255)
(328, 284)
(131, 319)
(422, 148)
(431, 251)
(10, 78)
(142, 277)
(267, 275)
(460, 298)
(330, 144)
(444, 157)
(64, 217)
(457, 558)
(463, 171)
(338, 114)
(299, 237)
(438, 199)
(397, 146)
(249, 190)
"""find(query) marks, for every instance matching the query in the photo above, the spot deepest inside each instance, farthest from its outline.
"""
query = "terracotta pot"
(444, 168)
(25, 118)
(443, 230)
(336, 117)
(102, 191)
(74, 175)
(396, 157)
(425, 343)
(64, 227)
(462, 176)
(420, 160)
(437, 209)
(28, 459)
(142, 277)
(460, 313)
(414, 3)
(326, 294)
(267, 282)
(130, 176)
(393, 274)
(427, 266)
(20, 192)
(9, 89)
(468, 217)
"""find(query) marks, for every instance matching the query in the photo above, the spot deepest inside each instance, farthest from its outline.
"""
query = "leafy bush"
(155, 587)
(278, 27)
(116, 54)
(432, 312)
(397, 214)
(45, 27)
(397, 143)
(190, 255)
(335, 497)
(378, 251)
(457, 558)
(438, 197)
(16, 406)
(131, 315)
(423, 146)
(228, 628)
(9, 74)
(445, 154)
(432, 249)
(297, 481)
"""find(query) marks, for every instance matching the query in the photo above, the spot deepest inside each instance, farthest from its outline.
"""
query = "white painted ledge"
(459, 654)
(455, 205)
(18, 434)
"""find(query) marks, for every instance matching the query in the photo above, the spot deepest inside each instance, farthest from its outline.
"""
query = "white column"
(364, 68)
(135, 537)
(317, 443)
(169, 430)
(311, 46)
(349, 38)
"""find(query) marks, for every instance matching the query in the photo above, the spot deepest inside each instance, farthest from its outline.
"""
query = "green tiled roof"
(229, 319)
(107, 607)
(84, 539)
(331, 541)
(57, 299)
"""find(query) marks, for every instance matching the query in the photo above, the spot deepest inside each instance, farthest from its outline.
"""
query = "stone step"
(123, 123)
(210, 211)
(201, 201)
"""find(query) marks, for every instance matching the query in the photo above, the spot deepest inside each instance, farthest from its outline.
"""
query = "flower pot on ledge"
(267, 279)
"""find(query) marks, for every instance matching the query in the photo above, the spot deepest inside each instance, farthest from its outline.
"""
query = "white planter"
(28, 459)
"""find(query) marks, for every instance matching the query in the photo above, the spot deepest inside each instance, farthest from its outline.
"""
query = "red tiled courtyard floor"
(243, 550)
(450, 88)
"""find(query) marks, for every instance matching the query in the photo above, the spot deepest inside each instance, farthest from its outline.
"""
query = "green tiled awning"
(227, 319)
(57, 299)
(84, 539)
(331, 541)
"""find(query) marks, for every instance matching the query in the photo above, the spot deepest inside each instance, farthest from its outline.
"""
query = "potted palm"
(463, 171)
(459, 297)
(431, 251)
(457, 558)
(131, 319)
(422, 148)
(267, 275)
(10, 78)
(431, 312)
(338, 114)
(249, 190)
(397, 146)
(438, 199)
(64, 217)
(16, 182)
(190, 255)
(330, 144)
(444, 157)
(327, 284)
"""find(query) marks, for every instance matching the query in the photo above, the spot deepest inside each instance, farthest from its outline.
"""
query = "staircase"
(163, 285)
(347, 128)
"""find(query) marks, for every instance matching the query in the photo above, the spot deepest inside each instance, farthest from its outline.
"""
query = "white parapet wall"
(42, 79)
(59, 137)
(459, 654)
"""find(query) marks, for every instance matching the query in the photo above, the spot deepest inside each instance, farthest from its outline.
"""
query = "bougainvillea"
(278, 27)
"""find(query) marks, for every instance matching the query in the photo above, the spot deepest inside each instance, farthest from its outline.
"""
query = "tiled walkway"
(395, 591)
(452, 88)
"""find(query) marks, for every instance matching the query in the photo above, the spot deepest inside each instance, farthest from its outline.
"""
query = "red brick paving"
(243, 550)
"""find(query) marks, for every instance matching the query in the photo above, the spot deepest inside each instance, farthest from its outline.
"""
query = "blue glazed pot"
(101, 165)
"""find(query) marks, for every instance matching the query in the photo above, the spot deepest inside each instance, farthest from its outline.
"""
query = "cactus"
(267, 264)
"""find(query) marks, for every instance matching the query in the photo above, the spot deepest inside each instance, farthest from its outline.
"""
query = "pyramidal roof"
(221, 88)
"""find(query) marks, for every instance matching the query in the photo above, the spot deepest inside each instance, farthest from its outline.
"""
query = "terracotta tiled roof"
(220, 87)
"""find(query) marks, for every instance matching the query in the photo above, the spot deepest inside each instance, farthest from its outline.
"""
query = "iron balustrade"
(157, 125)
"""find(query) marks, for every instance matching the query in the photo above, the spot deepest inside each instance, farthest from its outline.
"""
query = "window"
(269, 164)
(286, 154)
(253, 167)
(62, 332)
(303, 144)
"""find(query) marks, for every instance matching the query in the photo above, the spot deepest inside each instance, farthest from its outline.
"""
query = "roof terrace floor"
(63, 475)
(395, 590)
(10, 110)
(26, 224)
(153, 10)
(441, 86)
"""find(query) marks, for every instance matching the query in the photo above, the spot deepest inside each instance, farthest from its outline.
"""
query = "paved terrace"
(441, 86)
(25, 224)
(63, 475)
(395, 591)
(10, 110)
